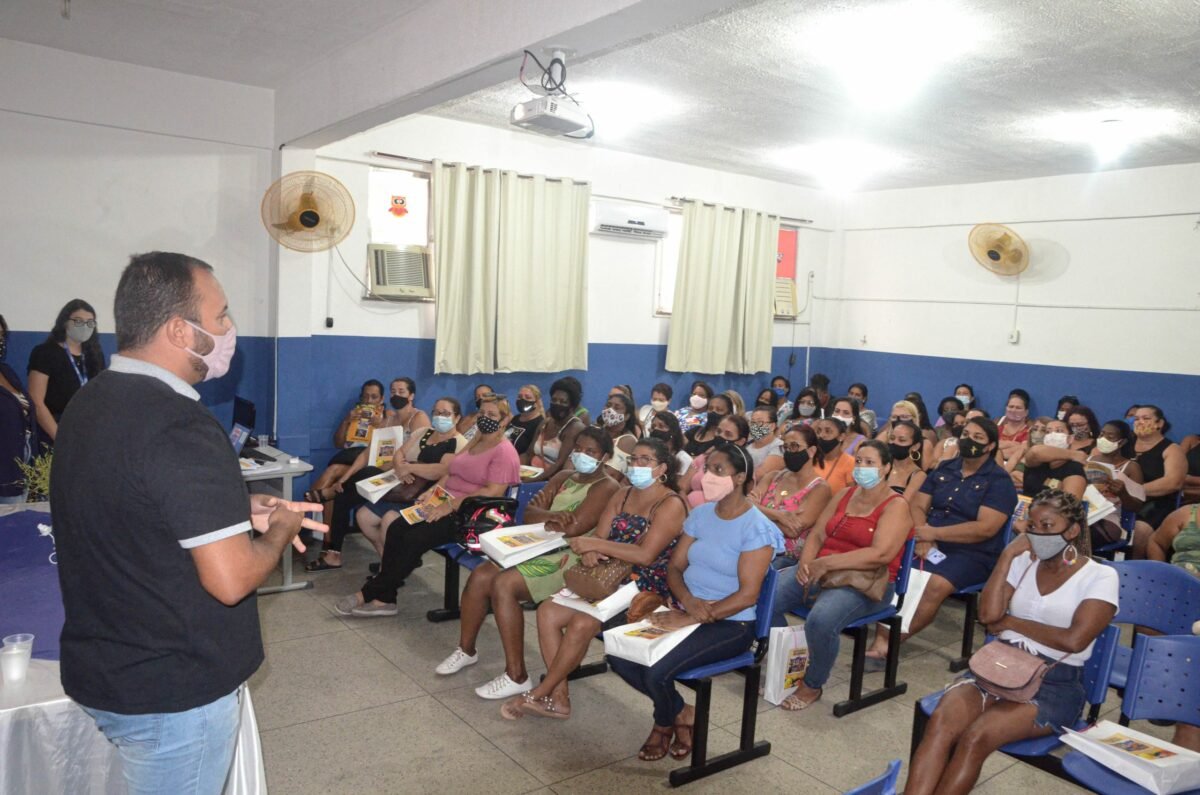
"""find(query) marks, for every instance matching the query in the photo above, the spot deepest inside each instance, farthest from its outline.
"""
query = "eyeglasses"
(643, 461)
(443, 413)
(79, 322)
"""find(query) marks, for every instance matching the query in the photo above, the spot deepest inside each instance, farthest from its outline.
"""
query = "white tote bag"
(1147, 761)
(642, 642)
(787, 662)
(247, 776)
(917, 580)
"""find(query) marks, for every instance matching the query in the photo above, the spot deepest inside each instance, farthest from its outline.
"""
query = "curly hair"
(1071, 507)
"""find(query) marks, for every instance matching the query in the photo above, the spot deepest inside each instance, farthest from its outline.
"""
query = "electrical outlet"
(1014, 337)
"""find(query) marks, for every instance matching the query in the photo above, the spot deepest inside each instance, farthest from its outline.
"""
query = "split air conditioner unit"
(399, 273)
(630, 221)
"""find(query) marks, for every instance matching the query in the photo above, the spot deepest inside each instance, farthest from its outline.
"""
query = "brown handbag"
(873, 584)
(601, 581)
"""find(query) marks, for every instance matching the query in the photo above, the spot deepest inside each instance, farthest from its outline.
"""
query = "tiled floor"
(352, 705)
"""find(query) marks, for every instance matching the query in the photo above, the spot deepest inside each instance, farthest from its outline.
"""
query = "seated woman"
(1048, 597)
(570, 503)
(845, 411)
(487, 467)
(619, 420)
(962, 509)
(1053, 465)
(424, 459)
(1084, 428)
(527, 422)
(701, 437)
(947, 408)
(764, 445)
(966, 396)
(805, 407)
(1014, 429)
(767, 399)
(1177, 540)
(715, 574)
(948, 447)
(838, 467)
(859, 392)
(404, 412)
(736, 402)
(1114, 439)
(906, 475)
(640, 525)
(367, 413)
(782, 387)
(664, 427)
(927, 429)
(558, 430)
(794, 497)
(695, 413)
(660, 400)
(1066, 404)
(863, 530)
(1163, 463)
(906, 411)
(466, 423)
(733, 429)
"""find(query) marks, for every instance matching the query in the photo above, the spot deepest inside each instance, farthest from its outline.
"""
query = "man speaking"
(151, 519)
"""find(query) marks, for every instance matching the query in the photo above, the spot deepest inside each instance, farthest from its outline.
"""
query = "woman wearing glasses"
(67, 360)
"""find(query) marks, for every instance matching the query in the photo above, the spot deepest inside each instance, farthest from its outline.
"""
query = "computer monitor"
(244, 413)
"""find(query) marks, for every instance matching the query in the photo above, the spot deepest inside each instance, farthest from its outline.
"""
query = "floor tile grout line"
(489, 741)
(343, 714)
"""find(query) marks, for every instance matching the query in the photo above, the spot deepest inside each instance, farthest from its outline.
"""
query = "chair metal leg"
(920, 719)
(968, 637)
(588, 669)
(450, 607)
(858, 700)
(747, 750)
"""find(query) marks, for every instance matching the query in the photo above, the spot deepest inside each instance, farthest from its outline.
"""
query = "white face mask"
(1062, 415)
(1058, 440)
(658, 405)
(221, 355)
(1107, 446)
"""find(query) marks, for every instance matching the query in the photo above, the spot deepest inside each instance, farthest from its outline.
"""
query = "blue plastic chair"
(700, 680)
(861, 631)
(525, 493)
(1157, 596)
(1125, 543)
(1039, 751)
(882, 785)
(970, 595)
(1163, 685)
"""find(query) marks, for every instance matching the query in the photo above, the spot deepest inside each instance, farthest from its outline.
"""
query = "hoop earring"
(1074, 555)
(915, 454)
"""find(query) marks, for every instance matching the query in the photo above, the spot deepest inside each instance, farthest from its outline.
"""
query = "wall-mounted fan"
(308, 211)
(999, 249)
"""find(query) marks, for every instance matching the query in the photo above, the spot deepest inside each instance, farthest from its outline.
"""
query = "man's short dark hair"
(154, 288)
(819, 382)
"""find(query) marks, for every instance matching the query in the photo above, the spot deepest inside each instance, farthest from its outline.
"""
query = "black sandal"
(320, 564)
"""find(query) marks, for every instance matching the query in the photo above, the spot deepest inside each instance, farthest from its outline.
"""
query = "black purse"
(478, 515)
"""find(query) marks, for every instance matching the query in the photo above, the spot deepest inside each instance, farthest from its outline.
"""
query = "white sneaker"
(456, 662)
(503, 687)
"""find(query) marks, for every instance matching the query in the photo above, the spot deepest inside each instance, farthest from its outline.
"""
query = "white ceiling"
(255, 42)
(750, 89)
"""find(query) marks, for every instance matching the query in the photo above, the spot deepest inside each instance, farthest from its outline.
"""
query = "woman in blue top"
(715, 575)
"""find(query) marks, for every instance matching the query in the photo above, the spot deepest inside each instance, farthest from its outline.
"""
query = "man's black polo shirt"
(143, 473)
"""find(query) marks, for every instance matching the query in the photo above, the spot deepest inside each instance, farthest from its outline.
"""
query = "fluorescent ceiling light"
(839, 165)
(885, 53)
(618, 108)
(1108, 132)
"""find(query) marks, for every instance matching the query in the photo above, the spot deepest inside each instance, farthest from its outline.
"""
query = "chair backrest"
(906, 560)
(1008, 531)
(765, 606)
(1162, 679)
(1157, 595)
(1128, 520)
(525, 493)
(883, 785)
(1098, 669)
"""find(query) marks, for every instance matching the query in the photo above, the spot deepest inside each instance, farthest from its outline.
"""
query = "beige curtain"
(466, 244)
(723, 309)
(541, 312)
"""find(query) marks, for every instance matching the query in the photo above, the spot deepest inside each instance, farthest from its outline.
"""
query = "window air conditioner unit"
(630, 221)
(399, 273)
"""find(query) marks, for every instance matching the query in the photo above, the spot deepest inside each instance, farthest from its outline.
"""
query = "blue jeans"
(709, 644)
(829, 612)
(183, 753)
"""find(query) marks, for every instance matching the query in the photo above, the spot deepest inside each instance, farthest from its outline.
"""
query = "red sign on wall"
(785, 259)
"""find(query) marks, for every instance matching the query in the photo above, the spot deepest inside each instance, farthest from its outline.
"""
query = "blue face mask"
(584, 464)
(780, 390)
(640, 477)
(867, 477)
(443, 424)
(965, 400)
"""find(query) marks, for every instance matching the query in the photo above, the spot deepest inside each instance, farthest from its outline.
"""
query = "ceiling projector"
(550, 116)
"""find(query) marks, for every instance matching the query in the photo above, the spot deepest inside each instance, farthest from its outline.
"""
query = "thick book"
(508, 546)
(603, 610)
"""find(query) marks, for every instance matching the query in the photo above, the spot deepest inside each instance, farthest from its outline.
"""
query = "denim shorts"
(1060, 699)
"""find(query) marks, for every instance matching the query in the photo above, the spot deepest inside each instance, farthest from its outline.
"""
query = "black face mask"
(948, 417)
(559, 412)
(827, 445)
(795, 461)
(399, 402)
(487, 425)
(713, 420)
(664, 435)
(899, 451)
(524, 406)
(969, 448)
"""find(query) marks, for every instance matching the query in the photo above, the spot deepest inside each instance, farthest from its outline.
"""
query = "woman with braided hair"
(1048, 597)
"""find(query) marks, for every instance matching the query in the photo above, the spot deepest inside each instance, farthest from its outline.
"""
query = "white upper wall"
(102, 159)
(621, 274)
(1111, 254)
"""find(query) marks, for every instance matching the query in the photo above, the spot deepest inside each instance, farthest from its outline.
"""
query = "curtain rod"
(424, 162)
(681, 199)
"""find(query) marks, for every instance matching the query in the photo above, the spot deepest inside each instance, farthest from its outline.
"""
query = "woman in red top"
(863, 528)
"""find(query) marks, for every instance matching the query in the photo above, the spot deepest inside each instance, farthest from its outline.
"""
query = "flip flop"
(320, 564)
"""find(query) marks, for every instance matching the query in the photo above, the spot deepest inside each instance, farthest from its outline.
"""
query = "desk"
(276, 479)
